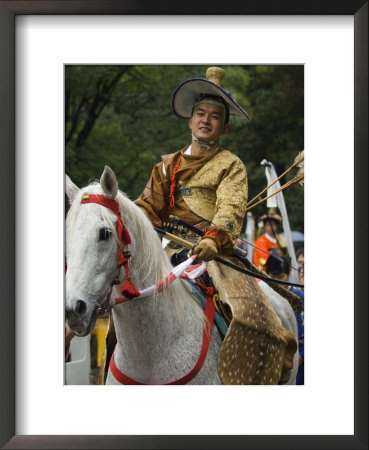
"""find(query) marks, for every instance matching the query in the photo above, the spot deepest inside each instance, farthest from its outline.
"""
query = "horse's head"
(92, 250)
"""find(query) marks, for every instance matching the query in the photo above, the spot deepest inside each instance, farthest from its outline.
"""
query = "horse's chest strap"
(206, 337)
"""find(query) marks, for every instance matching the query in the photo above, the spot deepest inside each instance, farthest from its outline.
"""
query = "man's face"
(300, 261)
(270, 227)
(207, 122)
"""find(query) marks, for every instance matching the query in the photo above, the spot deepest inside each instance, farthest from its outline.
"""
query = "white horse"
(159, 337)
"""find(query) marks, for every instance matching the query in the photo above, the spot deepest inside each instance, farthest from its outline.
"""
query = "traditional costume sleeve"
(153, 200)
(231, 199)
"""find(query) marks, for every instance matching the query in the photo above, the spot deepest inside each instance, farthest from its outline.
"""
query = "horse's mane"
(149, 263)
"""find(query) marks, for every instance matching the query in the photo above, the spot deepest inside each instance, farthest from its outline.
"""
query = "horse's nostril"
(81, 307)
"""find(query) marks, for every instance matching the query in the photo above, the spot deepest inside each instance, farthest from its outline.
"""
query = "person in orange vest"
(269, 240)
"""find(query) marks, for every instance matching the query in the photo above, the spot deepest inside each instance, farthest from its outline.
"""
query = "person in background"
(279, 267)
(300, 264)
(269, 240)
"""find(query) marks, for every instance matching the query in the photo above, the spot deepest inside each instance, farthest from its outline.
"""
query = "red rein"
(173, 183)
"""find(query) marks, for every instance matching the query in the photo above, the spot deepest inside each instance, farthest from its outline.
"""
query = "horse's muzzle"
(81, 319)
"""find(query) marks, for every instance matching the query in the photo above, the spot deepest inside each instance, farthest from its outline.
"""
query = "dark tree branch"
(75, 120)
(101, 99)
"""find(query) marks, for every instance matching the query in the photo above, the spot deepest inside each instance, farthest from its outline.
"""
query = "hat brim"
(186, 93)
(275, 217)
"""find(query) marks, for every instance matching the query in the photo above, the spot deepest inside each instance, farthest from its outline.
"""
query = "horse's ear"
(70, 188)
(109, 182)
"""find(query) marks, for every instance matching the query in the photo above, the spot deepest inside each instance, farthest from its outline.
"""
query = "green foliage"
(121, 116)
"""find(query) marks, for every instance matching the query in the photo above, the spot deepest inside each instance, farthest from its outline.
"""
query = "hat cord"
(205, 144)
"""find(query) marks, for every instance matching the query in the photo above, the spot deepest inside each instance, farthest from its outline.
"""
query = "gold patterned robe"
(211, 191)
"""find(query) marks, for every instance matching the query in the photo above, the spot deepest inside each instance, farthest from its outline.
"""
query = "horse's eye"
(104, 234)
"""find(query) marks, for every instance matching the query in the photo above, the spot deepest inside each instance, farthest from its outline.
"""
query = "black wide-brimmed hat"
(189, 91)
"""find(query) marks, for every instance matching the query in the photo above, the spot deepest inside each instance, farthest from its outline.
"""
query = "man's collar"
(271, 238)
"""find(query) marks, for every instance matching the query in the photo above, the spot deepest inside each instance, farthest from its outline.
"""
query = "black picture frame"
(8, 282)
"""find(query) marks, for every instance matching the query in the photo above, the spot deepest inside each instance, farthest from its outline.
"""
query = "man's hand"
(206, 250)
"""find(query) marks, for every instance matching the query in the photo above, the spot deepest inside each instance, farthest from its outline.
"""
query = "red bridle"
(128, 290)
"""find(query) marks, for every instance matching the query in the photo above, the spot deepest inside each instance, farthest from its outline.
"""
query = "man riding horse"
(206, 185)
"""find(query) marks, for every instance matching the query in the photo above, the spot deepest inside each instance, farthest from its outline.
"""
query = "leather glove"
(206, 250)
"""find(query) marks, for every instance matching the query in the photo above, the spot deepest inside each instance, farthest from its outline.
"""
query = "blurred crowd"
(270, 254)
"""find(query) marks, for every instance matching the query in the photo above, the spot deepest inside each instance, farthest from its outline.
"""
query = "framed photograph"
(38, 39)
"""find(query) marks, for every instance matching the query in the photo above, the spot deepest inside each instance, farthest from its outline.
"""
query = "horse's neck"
(143, 316)
(142, 321)
(154, 334)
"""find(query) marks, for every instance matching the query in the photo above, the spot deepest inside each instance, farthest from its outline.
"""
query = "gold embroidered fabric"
(219, 192)
(213, 187)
